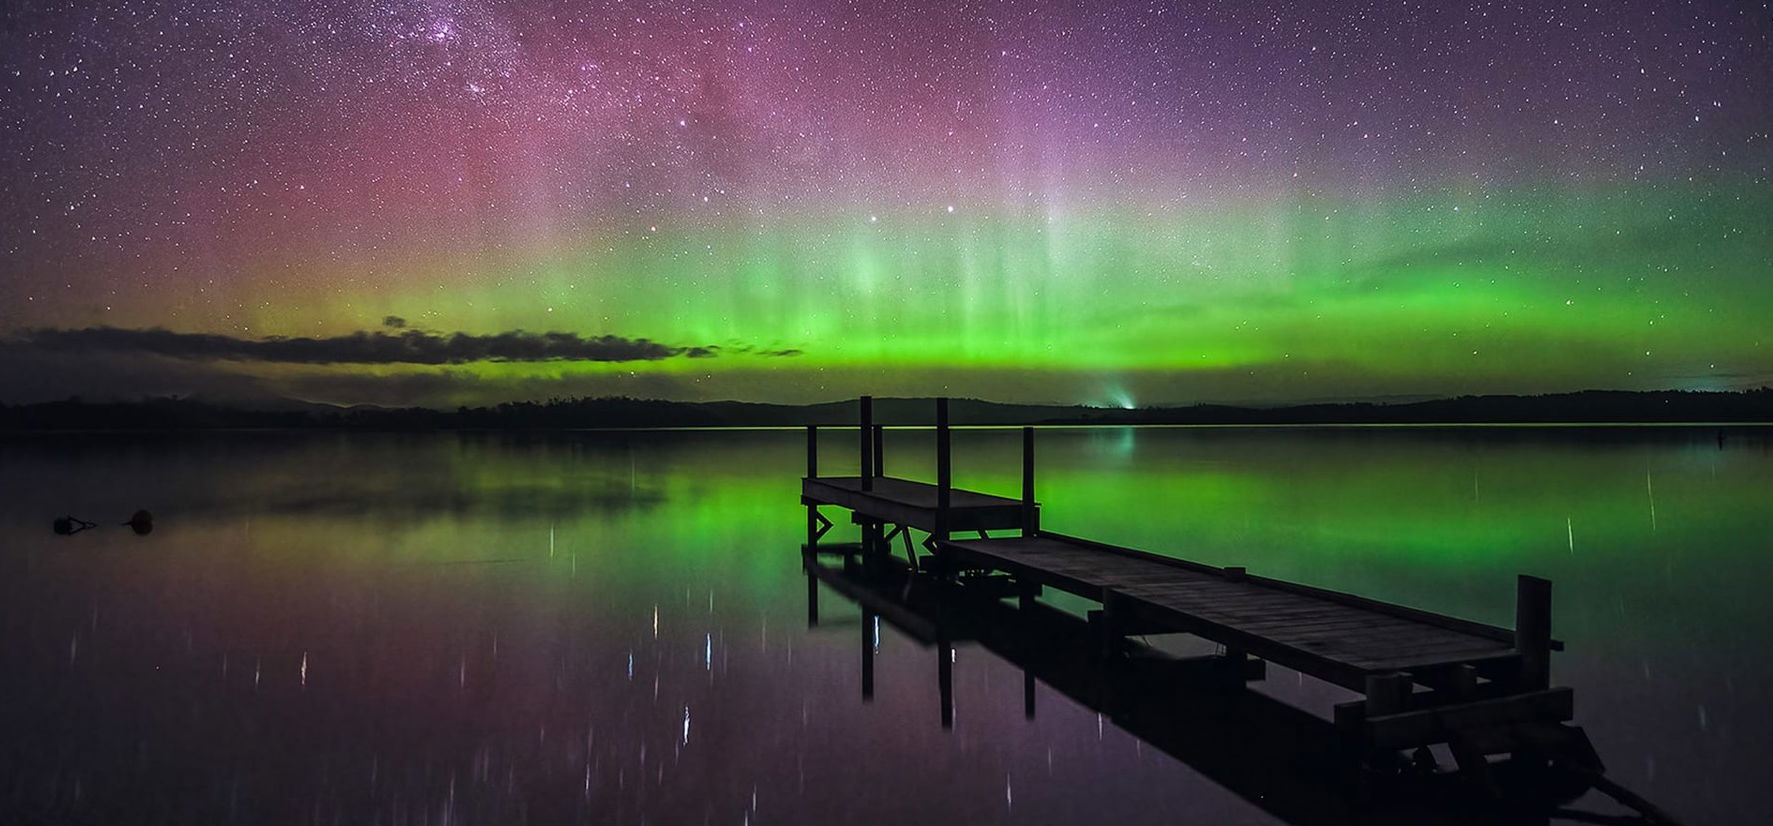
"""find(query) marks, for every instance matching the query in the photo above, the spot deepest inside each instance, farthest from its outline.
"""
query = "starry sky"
(1122, 203)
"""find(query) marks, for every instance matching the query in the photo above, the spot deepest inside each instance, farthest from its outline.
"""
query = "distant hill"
(1592, 406)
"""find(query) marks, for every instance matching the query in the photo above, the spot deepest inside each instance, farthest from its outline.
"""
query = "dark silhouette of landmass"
(1590, 406)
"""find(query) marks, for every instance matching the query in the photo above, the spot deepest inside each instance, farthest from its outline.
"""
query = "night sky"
(1116, 203)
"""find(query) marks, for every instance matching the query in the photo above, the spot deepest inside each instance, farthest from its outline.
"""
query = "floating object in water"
(67, 525)
(141, 522)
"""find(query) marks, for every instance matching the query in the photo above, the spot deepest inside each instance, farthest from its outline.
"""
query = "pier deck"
(913, 504)
(1339, 637)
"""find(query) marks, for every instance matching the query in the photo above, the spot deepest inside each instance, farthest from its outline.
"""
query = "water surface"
(612, 627)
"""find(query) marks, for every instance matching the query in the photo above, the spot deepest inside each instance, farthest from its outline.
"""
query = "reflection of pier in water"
(1487, 691)
(1288, 762)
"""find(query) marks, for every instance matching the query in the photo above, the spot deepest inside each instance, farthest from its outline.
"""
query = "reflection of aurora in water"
(607, 587)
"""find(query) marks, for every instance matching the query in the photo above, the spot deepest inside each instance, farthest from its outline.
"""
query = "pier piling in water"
(865, 436)
(1030, 513)
(1532, 630)
(944, 473)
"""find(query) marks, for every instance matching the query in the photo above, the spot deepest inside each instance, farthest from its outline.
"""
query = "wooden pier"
(1283, 760)
(1427, 678)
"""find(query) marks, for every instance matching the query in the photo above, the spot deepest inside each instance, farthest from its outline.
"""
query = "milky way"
(1097, 202)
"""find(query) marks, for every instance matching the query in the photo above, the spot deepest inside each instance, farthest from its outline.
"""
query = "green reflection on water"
(1655, 539)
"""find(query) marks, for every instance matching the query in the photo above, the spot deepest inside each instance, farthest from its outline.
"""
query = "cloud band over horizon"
(404, 347)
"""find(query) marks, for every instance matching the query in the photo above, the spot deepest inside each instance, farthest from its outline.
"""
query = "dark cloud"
(404, 347)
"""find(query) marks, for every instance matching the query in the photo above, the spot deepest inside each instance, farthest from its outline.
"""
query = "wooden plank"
(1434, 725)
(1400, 638)
(1452, 623)
(1424, 662)
(1332, 637)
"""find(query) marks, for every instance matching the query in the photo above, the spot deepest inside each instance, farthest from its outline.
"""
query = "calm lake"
(612, 627)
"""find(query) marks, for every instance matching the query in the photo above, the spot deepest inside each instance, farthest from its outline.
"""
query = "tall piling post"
(1532, 630)
(812, 472)
(866, 439)
(868, 621)
(944, 470)
(1030, 514)
(880, 450)
(945, 680)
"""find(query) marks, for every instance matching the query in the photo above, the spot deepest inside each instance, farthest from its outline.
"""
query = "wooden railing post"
(880, 450)
(944, 470)
(1532, 630)
(1030, 515)
(812, 510)
(866, 438)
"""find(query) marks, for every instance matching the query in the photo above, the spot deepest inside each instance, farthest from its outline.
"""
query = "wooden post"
(812, 472)
(945, 680)
(1234, 662)
(866, 437)
(880, 450)
(1532, 630)
(1030, 515)
(1108, 630)
(873, 539)
(1387, 694)
(1028, 695)
(868, 619)
(1462, 682)
(944, 470)
(812, 600)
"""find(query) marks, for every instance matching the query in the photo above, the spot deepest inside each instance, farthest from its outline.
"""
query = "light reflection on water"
(612, 627)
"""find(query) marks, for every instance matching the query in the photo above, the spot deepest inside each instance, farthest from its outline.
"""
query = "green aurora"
(1632, 287)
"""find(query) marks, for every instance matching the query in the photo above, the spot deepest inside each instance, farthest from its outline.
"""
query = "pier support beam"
(880, 450)
(1532, 631)
(1387, 694)
(945, 680)
(812, 472)
(944, 471)
(866, 438)
(1030, 514)
(1108, 623)
(868, 621)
